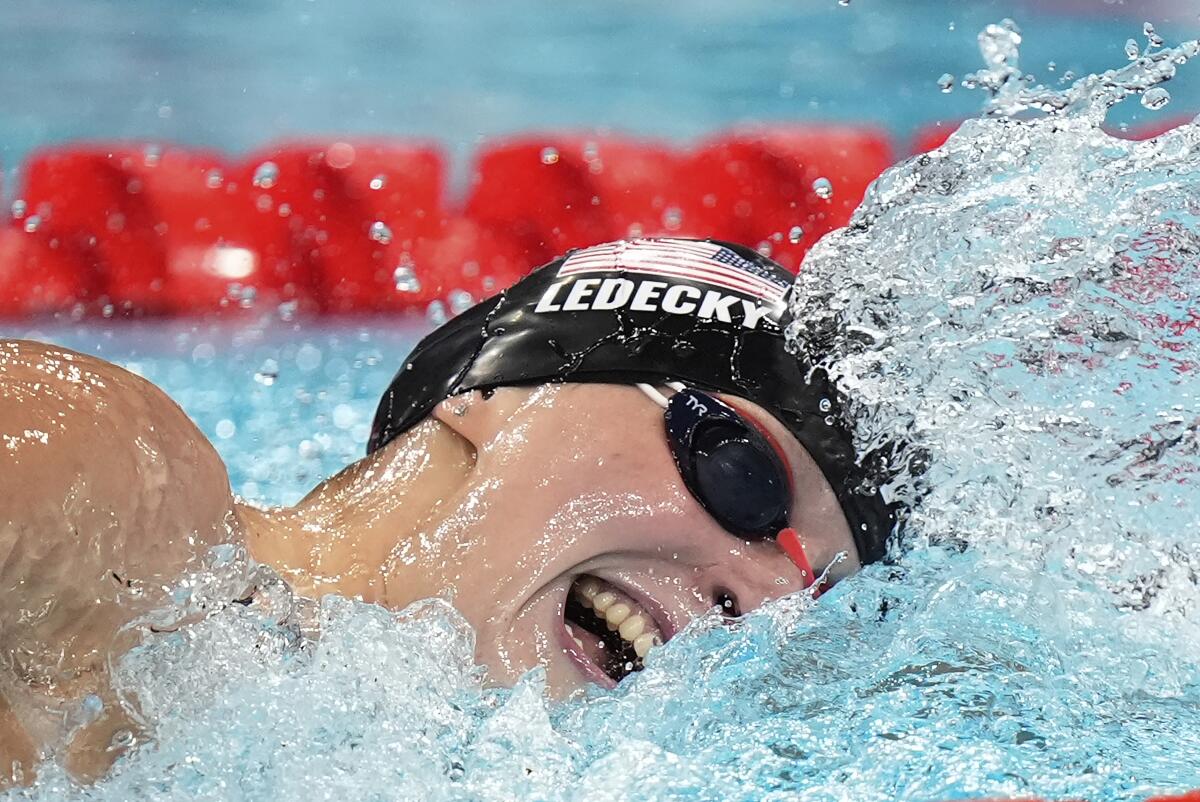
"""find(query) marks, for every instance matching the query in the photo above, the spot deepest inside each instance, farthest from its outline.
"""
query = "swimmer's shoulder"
(66, 418)
(108, 494)
(106, 487)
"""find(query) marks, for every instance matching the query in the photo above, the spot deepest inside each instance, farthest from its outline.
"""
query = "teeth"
(602, 601)
(623, 616)
(643, 643)
(616, 614)
(631, 627)
(587, 591)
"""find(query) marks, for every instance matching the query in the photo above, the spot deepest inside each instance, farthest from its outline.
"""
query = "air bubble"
(825, 405)
(823, 188)
(378, 182)
(1156, 98)
(380, 232)
(266, 175)
(19, 207)
(795, 234)
(946, 82)
(214, 178)
(672, 218)
(549, 155)
(32, 222)
(1132, 50)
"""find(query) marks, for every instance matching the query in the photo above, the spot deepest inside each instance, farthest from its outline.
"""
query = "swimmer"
(581, 464)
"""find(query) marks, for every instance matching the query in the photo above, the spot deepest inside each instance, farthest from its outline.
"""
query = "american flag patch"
(687, 260)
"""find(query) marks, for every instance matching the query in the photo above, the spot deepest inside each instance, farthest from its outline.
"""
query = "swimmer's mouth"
(609, 633)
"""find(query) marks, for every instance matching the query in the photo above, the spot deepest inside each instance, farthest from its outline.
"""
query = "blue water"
(1017, 308)
(234, 75)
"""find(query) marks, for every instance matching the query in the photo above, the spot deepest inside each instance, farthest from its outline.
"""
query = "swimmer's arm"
(108, 493)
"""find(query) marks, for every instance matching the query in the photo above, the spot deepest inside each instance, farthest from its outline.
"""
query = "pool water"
(1017, 307)
(233, 75)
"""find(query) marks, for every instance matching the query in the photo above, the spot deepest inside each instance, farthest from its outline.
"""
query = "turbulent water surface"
(1016, 309)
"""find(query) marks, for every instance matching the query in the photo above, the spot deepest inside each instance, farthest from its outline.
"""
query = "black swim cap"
(706, 313)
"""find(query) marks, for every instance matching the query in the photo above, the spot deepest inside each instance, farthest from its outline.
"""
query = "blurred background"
(234, 74)
(363, 156)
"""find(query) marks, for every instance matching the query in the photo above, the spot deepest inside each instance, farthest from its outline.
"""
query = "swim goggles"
(733, 468)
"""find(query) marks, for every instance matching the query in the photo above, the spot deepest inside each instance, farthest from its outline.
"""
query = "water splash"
(1015, 306)
(1012, 91)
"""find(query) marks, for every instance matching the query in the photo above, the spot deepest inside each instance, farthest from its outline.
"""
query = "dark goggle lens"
(728, 466)
(740, 484)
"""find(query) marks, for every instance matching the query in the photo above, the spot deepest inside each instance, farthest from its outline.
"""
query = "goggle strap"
(789, 540)
(653, 393)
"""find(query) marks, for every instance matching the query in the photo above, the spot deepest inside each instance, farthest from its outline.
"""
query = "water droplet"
(214, 179)
(151, 155)
(795, 234)
(308, 357)
(267, 373)
(1156, 98)
(406, 279)
(672, 218)
(287, 310)
(460, 301)
(31, 223)
(764, 248)
(436, 313)
(19, 208)
(1152, 37)
(1132, 50)
(549, 155)
(266, 175)
(1052, 66)
(823, 188)
(378, 182)
(226, 428)
(843, 3)
(380, 232)
(825, 405)
(946, 82)
(246, 297)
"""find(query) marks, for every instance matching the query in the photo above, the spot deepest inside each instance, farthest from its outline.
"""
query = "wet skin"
(498, 504)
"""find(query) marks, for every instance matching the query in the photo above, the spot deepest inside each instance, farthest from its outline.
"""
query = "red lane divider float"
(364, 225)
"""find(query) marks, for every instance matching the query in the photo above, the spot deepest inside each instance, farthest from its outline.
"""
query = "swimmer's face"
(572, 504)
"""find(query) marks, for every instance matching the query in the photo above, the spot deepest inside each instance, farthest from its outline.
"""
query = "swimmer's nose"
(789, 540)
